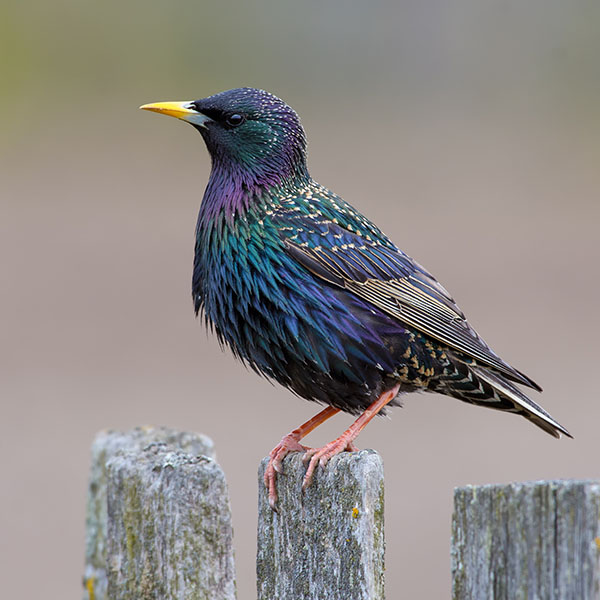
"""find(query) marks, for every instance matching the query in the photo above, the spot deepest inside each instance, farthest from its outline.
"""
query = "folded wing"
(388, 279)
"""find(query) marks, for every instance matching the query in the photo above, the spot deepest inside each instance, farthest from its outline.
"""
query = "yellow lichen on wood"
(89, 585)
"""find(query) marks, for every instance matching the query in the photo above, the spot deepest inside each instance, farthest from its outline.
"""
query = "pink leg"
(291, 443)
(346, 440)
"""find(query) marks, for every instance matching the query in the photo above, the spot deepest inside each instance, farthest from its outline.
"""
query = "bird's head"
(249, 132)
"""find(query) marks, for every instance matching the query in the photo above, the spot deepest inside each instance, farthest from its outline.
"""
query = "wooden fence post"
(537, 540)
(328, 542)
(158, 521)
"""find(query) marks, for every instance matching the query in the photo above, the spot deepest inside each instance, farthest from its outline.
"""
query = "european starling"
(307, 291)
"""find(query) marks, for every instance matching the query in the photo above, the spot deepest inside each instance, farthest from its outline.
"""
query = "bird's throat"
(232, 191)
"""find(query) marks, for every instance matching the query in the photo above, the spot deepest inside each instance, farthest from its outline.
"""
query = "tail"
(521, 403)
(481, 386)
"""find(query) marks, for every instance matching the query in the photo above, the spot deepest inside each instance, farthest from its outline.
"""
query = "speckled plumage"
(307, 291)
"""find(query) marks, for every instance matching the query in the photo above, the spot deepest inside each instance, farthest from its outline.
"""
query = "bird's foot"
(345, 442)
(289, 443)
(320, 456)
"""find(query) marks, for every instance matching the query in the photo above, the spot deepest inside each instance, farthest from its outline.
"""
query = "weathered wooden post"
(326, 543)
(158, 519)
(538, 540)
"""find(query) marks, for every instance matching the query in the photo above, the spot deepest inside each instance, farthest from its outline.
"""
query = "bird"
(308, 292)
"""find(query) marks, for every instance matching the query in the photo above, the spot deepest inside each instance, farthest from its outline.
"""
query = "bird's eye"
(235, 119)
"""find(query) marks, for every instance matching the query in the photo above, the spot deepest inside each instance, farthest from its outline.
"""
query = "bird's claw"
(289, 443)
(322, 455)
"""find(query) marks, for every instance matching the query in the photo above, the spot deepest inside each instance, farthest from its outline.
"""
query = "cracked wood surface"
(328, 542)
(158, 523)
(537, 540)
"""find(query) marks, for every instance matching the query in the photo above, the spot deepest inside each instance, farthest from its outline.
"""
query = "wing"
(384, 276)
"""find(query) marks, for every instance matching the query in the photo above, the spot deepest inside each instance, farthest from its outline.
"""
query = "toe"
(309, 453)
(309, 472)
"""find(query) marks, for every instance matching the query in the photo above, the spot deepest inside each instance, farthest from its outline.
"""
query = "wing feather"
(390, 280)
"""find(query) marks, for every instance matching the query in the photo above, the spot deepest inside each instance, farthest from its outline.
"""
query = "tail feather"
(482, 386)
(522, 404)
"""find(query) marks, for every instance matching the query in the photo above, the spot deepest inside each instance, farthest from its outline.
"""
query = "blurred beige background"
(468, 130)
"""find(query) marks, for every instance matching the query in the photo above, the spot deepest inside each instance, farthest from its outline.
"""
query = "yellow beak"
(173, 109)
